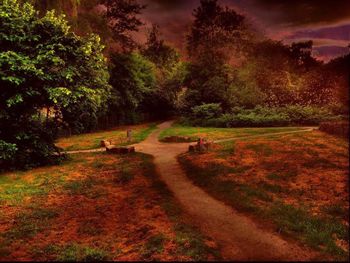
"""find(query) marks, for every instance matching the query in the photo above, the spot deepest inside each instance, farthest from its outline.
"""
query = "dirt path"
(166, 125)
(238, 236)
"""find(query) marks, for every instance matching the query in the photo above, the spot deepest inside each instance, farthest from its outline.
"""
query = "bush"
(261, 116)
(32, 146)
(7, 150)
(252, 118)
(206, 111)
(307, 115)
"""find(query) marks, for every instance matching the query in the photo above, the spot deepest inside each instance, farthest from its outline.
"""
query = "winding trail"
(237, 235)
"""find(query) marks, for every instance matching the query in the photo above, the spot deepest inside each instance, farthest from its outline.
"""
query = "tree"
(215, 32)
(122, 17)
(338, 73)
(301, 54)
(69, 7)
(161, 54)
(171, 72)
(291, 77)
(43, 65)
(133, 79)
(214, 39)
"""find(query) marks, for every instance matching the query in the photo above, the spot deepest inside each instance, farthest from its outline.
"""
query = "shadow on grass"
(190, 241)
(319, 233)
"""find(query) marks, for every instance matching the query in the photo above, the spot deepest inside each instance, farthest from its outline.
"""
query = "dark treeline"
(85, 71)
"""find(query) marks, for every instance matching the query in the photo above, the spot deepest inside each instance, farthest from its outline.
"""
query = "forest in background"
(84, 71)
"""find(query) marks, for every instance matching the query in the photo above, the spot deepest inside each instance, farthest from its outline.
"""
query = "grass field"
(219, 133)
(117, 136)
(296, 184)
(95, 207)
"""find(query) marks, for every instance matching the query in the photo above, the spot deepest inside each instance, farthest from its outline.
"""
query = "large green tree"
(133, 78)
(44, 67)
(215, 38)
(171, 72)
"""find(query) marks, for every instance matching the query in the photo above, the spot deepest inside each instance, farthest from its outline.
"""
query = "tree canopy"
(44, 65)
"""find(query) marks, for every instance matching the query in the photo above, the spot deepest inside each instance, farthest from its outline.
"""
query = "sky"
(326, 22)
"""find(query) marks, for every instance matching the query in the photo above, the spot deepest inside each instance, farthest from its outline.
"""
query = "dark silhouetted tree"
(122, 17)
(214, 39)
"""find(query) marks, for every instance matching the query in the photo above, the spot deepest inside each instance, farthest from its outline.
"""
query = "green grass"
(155, 244)
(87, 187)
(46, 253)
(231, 192)
(274, 188)
(336, 210)
(191, 243)
(90, 141)
(124, 174)
(28, 224)
(76, 252)
(13, 188)
(317, 232)
(228, 149)
(141, 135)
(219, 133)
(79, 186)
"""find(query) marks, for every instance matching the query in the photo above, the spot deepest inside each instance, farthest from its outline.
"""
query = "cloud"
(324, 21)
(341, 32)
(326, 53)
(304, 12)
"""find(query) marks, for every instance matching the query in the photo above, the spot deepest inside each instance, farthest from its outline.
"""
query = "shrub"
(307, 115)
(207, 111)
(260, 116)
(7, 150)
(256, 119)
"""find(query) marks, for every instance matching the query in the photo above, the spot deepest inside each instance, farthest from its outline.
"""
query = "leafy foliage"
(214, 32)
(133, 79)
(230, 65)
(209, 115)
(207, 111)
(170, 73)
(215, 37)
(43, 65)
